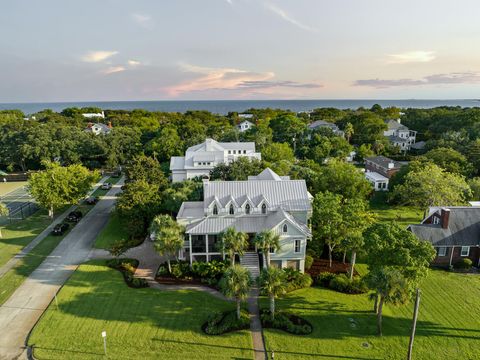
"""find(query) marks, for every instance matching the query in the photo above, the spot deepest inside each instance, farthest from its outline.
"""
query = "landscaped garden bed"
(323, 265)
(220, 323)
(285, 321)
(127, 267)
(341, 283)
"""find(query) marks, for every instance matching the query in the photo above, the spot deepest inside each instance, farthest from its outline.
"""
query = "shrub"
(211, 270)
(464, 264)
(287, 322)
(342, 283)
(297, 280)
(323, 279)
(127, 267)
(220, 323)
(308, 262)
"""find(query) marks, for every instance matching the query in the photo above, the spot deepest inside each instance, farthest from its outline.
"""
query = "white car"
(106, 186)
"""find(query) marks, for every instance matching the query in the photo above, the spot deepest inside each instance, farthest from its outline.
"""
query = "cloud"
(98, 56)
(142, 20)
(411, 57)
(288, 18)
(134, 63)
(113, 69)
(436, 79)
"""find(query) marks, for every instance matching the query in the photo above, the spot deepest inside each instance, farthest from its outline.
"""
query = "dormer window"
(264, 208)
(215, 209)
(247, 209)
(285, 228)
(231, 210)
(436, 220)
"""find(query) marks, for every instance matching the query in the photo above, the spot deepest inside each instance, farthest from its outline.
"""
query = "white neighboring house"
(400, 135)
(245, 125)
(94, 115)
(319, 124)
(379, 182)
(263, 202)
(200, 159)
(379, 170)
(99, 128)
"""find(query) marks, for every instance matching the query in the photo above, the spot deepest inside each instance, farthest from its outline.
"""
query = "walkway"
(23, 309)
(256, 326)
(14, 260)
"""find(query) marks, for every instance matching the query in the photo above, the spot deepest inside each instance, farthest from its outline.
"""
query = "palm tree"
(233, 242)
(167, 236)
(235, 284)
(389, 286)
(267, 240)
(3, 212)
(273, 282)
(349, 131)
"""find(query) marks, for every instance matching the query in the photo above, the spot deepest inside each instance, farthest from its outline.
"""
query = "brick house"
(453, 231)
(379, 170)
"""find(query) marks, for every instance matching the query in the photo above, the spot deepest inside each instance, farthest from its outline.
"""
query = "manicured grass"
(402, 215)
(7, 187)
(447, 328)
(140, 323)
(113, 232)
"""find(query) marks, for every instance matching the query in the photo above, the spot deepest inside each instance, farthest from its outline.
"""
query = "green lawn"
(448, 325)
(402, 215)
(114, 231)
(100, 192)
(140, 323)
(7, 187)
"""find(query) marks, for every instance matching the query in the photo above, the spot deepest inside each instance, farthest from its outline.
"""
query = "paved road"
(19, 314)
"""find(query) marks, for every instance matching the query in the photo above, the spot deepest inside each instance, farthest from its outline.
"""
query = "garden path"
(256, 326)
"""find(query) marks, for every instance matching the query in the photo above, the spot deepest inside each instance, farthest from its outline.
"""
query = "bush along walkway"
(27, 249)
(256, 326)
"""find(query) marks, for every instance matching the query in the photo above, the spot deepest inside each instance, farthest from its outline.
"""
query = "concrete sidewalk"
(14, 260)
(19, 314)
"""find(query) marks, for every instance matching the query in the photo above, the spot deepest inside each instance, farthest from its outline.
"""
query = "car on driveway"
(106, 186)
(92, 200)
(60, 229)
(74, 216)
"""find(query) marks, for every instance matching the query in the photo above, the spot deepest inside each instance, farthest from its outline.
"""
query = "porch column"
(190, 242)
(451, 255)
(206, 245)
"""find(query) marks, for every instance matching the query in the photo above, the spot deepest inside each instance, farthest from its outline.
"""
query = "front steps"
(249, 261)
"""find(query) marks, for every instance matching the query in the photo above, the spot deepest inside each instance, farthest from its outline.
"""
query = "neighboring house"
(263, 202)
(94, 115)
(99, 128)
(400, 135)
(325, 124)
(245, 125)
(418, 145)
(200, 159)
(379, 169)
(245, 116)
(453, 231)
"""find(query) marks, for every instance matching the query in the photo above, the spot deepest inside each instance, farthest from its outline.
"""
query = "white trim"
(441, 253)
(299, 246)
(468, 251)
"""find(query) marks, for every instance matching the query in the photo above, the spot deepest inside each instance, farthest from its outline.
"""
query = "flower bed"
(221, 323)
(341, 283)
(127, 267)
(199, 273)
(323, 265)
(287, 322)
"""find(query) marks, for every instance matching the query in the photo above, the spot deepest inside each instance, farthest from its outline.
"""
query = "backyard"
(345, 327)
(140, 323)
(402, 215)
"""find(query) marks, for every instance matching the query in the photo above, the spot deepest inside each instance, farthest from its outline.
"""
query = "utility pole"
(414, 325)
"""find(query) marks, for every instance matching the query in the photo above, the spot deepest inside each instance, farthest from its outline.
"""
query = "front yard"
(140, 323)
(345, 327)
(402, 215)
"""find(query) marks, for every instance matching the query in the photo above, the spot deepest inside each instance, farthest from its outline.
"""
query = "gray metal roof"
(384, 161)
(322, 123)
(268, 174)
(290, 195)
(463, 228)
(395, 125)
(191, 209)
(177, 163)
(397, 139)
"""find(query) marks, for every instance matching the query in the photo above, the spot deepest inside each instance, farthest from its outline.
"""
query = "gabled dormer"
(214, 207)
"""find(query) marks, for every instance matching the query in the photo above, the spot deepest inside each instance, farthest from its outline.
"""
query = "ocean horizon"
(225, 106)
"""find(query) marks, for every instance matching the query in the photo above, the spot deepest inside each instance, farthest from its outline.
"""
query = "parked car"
(74, 216)
(60, 229)
(92, 200)
(116, 174)
(106, 186)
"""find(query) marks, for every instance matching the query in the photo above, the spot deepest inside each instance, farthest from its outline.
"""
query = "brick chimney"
(444, 217)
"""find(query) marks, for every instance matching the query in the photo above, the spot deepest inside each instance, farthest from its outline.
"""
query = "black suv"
(59, 229)
(74, 216)
(92, 200)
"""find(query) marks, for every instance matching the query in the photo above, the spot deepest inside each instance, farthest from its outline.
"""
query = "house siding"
(444, 261)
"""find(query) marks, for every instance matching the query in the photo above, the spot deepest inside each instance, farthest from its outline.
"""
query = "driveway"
(21, 311)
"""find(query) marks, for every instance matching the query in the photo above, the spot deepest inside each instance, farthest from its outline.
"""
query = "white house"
(263, 202)
(245, 125)
(99, 128)
(94, 115)
(321, 124)
(400, 135)
(200, 159)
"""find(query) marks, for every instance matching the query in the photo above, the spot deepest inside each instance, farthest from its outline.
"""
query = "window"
(215, 209)
(229, 151)
(264, 208)
(271, 250)
(234, 151)
(247, 209)
(465, 251)
(298, 244)
(244, 151)
(436, 220)
(285, 228)
(231, 211)
(442, 251)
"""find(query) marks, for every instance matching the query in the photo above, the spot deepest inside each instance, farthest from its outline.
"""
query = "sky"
(115, 50)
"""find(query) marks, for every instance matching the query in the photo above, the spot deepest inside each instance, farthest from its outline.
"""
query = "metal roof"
(384, 161)
(177, 163)
(268, 174)
(395, 125)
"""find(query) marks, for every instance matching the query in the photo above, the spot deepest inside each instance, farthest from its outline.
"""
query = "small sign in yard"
(104, 336)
